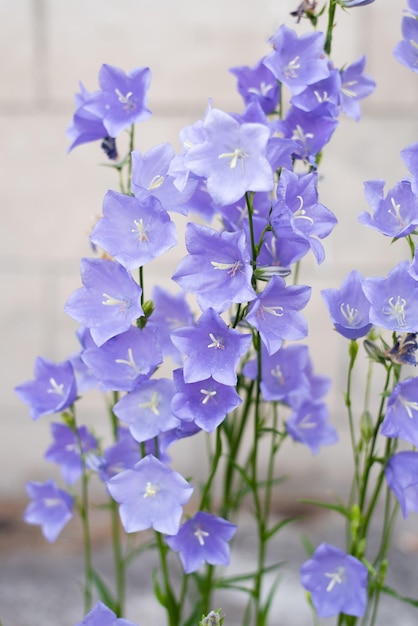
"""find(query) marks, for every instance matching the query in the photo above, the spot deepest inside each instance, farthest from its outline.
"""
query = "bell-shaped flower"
(151, 495)
(206, 402)
(337, 582)
(309, 425)
(355, 86)
(124, 360)
(395, 215)
(394, 300)
(147, 409)
(401, 475)
(211, 349)
(53, 390)
(274, 313)
(257, 84)
(401, 418)
(170, 312)
(69, 448)
(406, 51)
(121, 99)
(109, 302)
(217, 269)
(232, 157)
(348, 307)
(297, 61)
(203, 539)
(101, 615)
(51, 508)
(134, 231)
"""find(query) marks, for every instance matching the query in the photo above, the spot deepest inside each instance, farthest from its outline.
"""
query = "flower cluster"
(252, 179)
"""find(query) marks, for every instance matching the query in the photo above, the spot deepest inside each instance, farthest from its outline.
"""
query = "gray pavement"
(49, 199)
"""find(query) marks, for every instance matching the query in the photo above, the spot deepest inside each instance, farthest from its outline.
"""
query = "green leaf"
(158, 592)
(306, 543)
(275, 529)
(339, 508)
(391, 592)
(104, 592)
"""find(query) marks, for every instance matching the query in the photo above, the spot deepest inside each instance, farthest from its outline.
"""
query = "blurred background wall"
(49, 199)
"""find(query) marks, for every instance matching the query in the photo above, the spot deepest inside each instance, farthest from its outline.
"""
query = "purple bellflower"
(151, 495)
(232, 157)
(211, 348)
(206, 402)
(51, 508)
(101, 615)
(147, 409)
(283, 374)
(275, 314)
(348, 4)
(413, 7)
(87, 126)
(409, 156)
(109, 301)
(401, 419)
(203, 539)
(257, 84)
(217, 269)
(122, 455)
(336, 581)
(134, 231)
(394, 300)
(53, 390)
(68, 448)
(354, 87)
(348, 307)
(309, 425)
(393, 216)
(324, 94)
(121, 362)
(297, 61)
(406, 51)
(170, 312)
(401, 475)
(297, 199)
(121, 99)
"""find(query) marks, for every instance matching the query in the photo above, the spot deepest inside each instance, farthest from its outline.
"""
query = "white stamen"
(200, 534)
(152, 404)
(346, 89)
(409, 406)
(349, 314)
(337, 578)
(151, 490)
(207, 395)
(111, 301)
(237, 155)
(156, 182)
(293, 65)
(139, 228)
(129, 104)
(396, 310)
(218, 344)
(300, 213)
(129, 361)
(55, 387)
(232, 268)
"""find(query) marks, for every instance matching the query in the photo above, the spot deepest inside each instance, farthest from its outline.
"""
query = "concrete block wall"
(48, 199)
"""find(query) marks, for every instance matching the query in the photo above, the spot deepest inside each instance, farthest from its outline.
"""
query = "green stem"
(171, 605)
(119, 563)
(353, 354)
(131, 149)
(330, 28)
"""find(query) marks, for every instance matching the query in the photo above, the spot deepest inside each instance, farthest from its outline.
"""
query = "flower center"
(300, 213)
(409, 406)
(55, 387)
(156, 182)
(151, 490)
(336, 577)
(207, 395)
(396, 309)
(346, 89)
(152, 404)
(130, 362)
(292, 66)
(139, 228)
(231, 268)
(200, 535)
(128, 102)
(396, 213)
(237, 155)
(218, 344)
(348, 313)
(111, 301)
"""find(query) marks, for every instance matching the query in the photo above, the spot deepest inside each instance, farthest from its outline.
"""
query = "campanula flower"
(211, 348)
(348, 307)
(51, 508)
(336, 581)
(257, 84)
(403, 350)
(203, 539)
(232, 157)
(309, 425)
(87, 126)
(355, 86)
(101, 615)
(355, 3)
(275, 313)
(151, 495)
(147, 409)
(170, 312)
(108, 303)
(409, 156)
(217, 268)
(297, 61)
(68, 448)
(394, 300)
(395, 215)
(122, 455)
(133, 231)
(401, 475)
(324, 94)
(121, 99)
(406, 51)
(53, 390)
(122, 361)
(206, 402)
(401, 418)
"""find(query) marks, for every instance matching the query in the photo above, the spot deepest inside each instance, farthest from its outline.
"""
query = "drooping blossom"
(401, 475)
(401, 418)
(51, 508)
(309, 425)
(108, 303)
(348, 307)
(151, 495)
(337, 582)
(53, 390)
(203, 539)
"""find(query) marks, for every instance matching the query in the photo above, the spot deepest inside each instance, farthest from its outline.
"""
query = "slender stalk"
(330, 28)
(171, 605)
